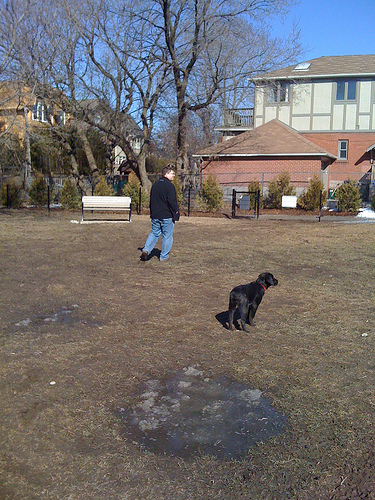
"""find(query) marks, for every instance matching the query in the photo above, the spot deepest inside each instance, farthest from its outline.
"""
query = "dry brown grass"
(132, 321)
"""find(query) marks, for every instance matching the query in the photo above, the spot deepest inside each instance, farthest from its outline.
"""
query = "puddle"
(190, 414)
(63, 316)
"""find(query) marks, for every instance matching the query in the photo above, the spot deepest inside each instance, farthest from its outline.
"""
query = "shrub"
(211, 197)
(348, 197)
(179, 194)
(373, 203)
(278, 188)
(70, 197)
(131, 189)
(38, 191)
(102, 188)
(155, 164)
(310, 199)
(254, 186)
(11, 195)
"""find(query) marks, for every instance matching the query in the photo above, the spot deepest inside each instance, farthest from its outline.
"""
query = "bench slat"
(107, 203)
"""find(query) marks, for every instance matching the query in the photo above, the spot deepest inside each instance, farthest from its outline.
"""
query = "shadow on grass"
(223, 318)
(154, 253)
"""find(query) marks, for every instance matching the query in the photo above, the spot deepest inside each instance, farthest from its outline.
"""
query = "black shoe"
(144, 256)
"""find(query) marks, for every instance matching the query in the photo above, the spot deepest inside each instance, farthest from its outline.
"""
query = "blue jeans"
(163, 227)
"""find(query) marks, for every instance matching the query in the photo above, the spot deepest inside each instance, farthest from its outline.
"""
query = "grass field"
(84, 323)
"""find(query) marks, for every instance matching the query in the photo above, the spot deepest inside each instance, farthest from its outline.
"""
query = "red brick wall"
(239, 172)
(358, 161)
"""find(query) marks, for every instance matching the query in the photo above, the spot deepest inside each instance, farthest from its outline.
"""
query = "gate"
(245, 202)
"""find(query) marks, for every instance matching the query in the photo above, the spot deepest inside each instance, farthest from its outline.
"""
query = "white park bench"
(107, 204)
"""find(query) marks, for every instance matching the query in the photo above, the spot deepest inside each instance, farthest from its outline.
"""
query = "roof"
(101, 106)
(271, 139)
(328, 66)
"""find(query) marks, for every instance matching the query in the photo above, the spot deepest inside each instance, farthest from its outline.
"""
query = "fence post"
(8, 200)
(258, 203)
(189, 200)
(320, 205)
(48, 198)
(234, 204)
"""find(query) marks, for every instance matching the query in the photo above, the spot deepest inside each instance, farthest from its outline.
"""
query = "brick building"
(327, 102)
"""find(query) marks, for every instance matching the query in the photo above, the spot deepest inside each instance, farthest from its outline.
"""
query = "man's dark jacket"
(163, 200)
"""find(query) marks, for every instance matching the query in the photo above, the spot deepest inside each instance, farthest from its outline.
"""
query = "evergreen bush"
(38, 192)
(348, 197)
(254, 186)
(179, 194)
(278, 188)
(102, 188)
(70, 197)
(310, 199)
(131, 189)
(212, 197)
(11, 195)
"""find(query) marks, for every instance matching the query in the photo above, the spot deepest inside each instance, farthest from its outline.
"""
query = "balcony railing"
(238, 118)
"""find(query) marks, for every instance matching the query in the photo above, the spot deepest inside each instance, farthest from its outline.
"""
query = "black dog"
(247, 298)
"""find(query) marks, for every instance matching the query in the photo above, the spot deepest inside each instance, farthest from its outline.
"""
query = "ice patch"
(24, 322)
(366, 213)
(189, 414)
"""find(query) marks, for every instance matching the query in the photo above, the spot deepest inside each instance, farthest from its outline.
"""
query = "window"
(351, 90)
(40, 112)
(343, 150)
(278, 92)
(346, 90)
(302, 66)
(340, 91)
(272, 93)
(284, 92)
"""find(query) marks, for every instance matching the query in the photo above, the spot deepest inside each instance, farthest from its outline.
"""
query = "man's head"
(169, 171)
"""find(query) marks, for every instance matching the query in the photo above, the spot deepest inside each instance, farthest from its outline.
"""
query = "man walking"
(163, 212)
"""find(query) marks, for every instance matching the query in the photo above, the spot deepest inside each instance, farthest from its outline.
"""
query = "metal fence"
(299, 180)
(191, 184)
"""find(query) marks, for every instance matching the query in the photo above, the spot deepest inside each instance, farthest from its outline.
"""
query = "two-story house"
(313, 118)
(21, 107)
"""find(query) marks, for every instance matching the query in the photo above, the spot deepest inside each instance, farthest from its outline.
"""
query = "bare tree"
(12, 16)
(125, 71)
(213, 45)
(127, 55)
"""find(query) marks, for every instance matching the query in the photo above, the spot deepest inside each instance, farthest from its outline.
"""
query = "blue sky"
(333, 27)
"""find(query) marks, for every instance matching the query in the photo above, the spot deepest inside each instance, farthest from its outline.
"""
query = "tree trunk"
(182, 162)
(27, 148)
(145, 181)
(81, 129)
(74, 165)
